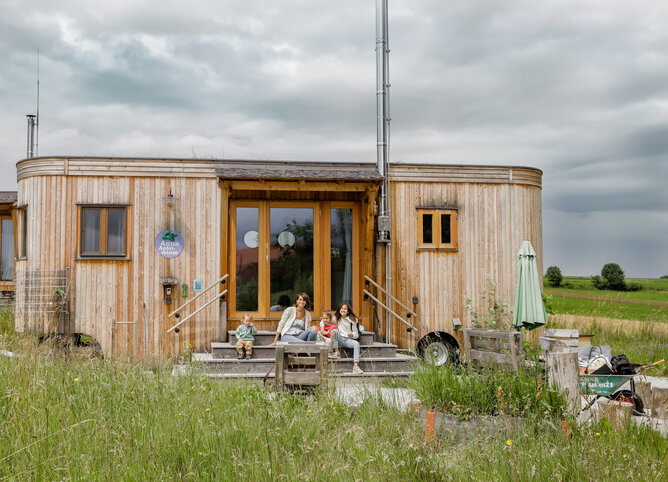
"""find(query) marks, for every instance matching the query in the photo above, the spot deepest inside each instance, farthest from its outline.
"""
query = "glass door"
(272, 260)
(290, 253)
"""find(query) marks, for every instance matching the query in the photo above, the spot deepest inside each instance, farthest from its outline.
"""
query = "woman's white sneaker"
(357, 370)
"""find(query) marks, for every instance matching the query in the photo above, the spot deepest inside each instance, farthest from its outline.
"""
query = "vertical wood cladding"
(104, 292)
(492, 221)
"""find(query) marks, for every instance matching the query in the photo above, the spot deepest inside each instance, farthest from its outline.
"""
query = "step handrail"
(219, 280)
(198, 310)
(411, 312)
(410, 325)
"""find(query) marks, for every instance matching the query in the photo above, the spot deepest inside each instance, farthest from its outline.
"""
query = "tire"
(632, 397)
(438, 351)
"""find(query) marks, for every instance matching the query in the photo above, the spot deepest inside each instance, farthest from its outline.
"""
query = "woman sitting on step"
(349, 332)
(295, 324)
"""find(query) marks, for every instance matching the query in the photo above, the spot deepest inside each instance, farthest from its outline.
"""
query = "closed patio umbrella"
(529, 309)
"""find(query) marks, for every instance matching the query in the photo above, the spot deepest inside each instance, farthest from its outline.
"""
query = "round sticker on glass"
(169, 243)
(252, 239)
(286, 238)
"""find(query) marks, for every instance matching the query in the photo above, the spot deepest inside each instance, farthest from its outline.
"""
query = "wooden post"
(562, 369)
(644, 391)
(280, 369)
(660, 402)
(321, 362)
(515, 342)
(616, 412)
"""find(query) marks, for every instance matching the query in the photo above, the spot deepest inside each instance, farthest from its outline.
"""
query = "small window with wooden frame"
(437, 229)
(103, 231)
(22, 231)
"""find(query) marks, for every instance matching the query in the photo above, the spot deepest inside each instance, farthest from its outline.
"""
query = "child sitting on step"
(329, 333)
(245, 336)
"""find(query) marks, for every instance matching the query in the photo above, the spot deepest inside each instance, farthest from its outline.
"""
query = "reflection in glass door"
(341, 256)
(290, 253)
(247, 256)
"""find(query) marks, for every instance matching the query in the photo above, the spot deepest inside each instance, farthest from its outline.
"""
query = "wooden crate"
(493, 349)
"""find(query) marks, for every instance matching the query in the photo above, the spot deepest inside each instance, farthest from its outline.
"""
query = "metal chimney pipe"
(383, 148)
(31, 135)
(382, 111)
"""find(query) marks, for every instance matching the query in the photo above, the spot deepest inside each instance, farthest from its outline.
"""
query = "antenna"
(37, 120)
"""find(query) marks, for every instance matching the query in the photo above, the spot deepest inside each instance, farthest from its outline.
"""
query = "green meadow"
(67, 414)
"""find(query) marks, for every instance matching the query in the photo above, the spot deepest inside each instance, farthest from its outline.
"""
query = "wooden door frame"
(321, 252)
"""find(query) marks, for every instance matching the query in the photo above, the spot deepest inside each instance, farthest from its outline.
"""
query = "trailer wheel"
(437, 350)
(631, 397)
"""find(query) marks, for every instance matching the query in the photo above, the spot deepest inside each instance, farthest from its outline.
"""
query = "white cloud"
(574, 88)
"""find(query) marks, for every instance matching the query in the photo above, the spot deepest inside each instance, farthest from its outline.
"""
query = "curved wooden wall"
(103, 292)
(498, 208)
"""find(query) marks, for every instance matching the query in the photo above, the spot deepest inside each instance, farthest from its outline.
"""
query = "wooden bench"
(295, 369)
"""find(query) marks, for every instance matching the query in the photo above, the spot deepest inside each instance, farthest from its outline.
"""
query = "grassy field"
(609, 309)
(70, 415)
(577, 297)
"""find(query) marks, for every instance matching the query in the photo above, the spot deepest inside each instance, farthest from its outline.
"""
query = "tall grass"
(464, 391)
(66, 414)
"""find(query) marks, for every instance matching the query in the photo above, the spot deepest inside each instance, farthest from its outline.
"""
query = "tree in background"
(612, 278)
(553, 275)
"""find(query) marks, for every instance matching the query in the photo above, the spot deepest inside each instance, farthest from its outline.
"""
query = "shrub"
(547, 303)
(665, 276)
(553, 275)
(598, 282)
(614, 277)
(633, 286)
(496, 314)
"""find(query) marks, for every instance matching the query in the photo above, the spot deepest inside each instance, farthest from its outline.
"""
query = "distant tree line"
(611, 278)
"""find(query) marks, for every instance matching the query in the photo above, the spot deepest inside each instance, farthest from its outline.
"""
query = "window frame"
(103, 252)
(21, 234)
(437, 244)
(13, 243)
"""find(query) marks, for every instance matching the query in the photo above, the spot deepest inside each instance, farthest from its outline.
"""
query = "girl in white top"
(295, 324)
(349, 332)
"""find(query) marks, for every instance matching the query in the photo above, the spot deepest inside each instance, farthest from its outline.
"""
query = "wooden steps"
(378, 360)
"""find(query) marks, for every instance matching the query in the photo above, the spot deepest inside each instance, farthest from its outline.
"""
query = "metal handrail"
(198, 310)
(410, 325)
(193, 299)
(411, 312)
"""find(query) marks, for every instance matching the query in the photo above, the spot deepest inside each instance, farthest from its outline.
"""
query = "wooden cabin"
(110, 247)
(7, 247)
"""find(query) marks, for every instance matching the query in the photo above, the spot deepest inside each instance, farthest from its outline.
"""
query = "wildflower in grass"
(207, 410)
(509, 442)
(598, 434)
(76, 379)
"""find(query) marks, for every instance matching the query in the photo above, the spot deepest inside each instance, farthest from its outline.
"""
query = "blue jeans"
(308, 335)
(350, 343)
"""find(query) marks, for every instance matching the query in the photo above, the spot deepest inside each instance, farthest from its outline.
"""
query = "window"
(437, 229)
(103, 231)
(23, 233)
(281, 248)
(6, 249)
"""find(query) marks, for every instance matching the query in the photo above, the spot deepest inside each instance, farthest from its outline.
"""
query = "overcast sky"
(576, 89)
